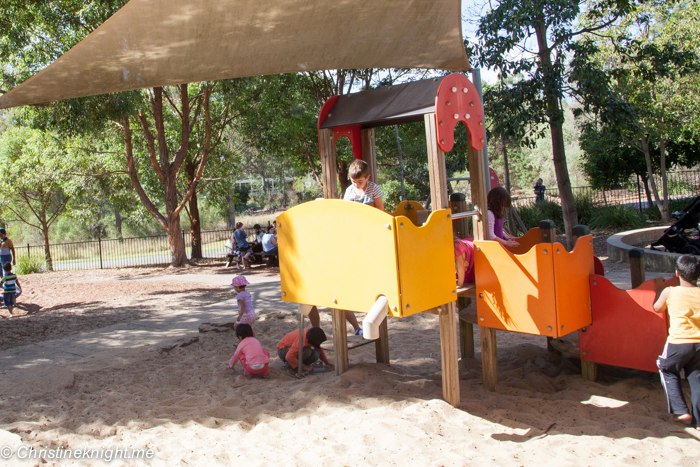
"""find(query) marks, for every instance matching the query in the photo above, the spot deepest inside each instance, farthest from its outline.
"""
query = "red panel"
(458, 101)
(626, 331)
(351, 132)
(494, 178)
(326, 109)
(598, 268)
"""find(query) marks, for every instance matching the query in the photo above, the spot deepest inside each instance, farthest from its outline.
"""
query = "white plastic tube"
(370, 325)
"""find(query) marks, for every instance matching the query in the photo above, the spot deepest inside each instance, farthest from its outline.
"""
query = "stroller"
(675, 238)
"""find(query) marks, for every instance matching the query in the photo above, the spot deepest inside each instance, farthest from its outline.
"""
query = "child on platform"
(498, 202)
(253, 357)
(362, 189)
(246, 312)
(682, 349)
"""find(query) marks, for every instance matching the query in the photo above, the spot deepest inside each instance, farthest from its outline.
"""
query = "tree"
(35, 180)
(530, 39)
(641, 84)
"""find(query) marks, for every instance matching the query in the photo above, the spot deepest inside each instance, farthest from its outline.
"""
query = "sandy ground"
(191, 409)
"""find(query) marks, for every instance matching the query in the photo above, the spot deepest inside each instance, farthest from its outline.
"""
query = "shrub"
(617, 218)
(392, 194)
(30, 265)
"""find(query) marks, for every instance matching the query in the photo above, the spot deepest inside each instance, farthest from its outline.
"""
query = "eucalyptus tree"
(639, 81)
(36, 180)
(530, 40)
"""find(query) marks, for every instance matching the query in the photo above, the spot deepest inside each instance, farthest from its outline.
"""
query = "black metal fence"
(125, 252)
(681, 184)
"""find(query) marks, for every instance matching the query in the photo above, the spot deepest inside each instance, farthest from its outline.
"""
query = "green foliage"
(392, 194)
(617, 218)
(30, 265)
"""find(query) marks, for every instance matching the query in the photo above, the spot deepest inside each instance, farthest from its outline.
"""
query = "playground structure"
(375, 262)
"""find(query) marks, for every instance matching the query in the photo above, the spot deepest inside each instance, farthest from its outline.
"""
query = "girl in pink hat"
(246, 312)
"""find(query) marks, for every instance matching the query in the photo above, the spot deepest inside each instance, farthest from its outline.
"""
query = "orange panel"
(515, 292)
(527, 241)
(572, 290)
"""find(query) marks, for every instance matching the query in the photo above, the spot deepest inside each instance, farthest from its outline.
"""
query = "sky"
(471, 11)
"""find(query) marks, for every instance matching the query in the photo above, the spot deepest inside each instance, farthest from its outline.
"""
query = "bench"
(271, 257)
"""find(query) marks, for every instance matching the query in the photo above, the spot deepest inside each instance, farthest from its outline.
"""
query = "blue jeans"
(4, 259)
(273, 251)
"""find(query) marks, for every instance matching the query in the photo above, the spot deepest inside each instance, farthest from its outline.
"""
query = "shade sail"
(164, 42)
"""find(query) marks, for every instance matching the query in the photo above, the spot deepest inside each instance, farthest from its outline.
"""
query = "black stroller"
(675, 238)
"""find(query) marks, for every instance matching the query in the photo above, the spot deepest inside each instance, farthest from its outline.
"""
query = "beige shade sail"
(164, 42)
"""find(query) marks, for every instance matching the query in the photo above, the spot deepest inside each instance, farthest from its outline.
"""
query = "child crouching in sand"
(682, 349)
(253, 357)
(246, 312)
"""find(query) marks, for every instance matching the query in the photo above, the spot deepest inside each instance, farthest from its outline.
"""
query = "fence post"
(99, 244)
(29, 253)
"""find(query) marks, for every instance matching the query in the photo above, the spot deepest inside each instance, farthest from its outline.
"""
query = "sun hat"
(239, 281)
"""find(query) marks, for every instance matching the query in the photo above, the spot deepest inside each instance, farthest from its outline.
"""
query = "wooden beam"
(637, 273)
(448, 350)
(436, 166)
(466, 331)
(382, 344)
(448, 318)
(369, 152)
(340, 341)
(328, 164)
(489, 360)
(301, 346)
(589, 370)
(548, 234)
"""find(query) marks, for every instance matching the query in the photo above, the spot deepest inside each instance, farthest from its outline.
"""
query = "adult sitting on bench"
(269, 244)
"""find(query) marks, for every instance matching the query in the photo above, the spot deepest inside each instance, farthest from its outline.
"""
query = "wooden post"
(328, 164)
(381, 345)
(589, 370)
(466, 331)
(637, 274)
(579, 231)
(448, 350)
(480, 188)
(340, 341)
(548, 234)
(548, 231)
(448, 318)
(301, 345)
(458, 203)
(369, 153)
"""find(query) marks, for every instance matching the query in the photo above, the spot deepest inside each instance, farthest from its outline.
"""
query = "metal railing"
(681, 184)
(126, 252)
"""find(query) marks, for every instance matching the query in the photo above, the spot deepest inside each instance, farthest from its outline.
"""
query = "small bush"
(392, 194)
(532, 214)
(617, 218)
(30, 265)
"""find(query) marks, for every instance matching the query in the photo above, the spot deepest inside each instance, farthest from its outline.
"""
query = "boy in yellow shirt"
(682, 349)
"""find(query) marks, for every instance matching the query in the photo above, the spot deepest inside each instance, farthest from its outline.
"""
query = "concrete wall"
(654, 261)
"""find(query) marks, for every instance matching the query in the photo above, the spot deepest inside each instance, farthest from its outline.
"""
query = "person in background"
(244, 250)
(256, 245)
(7, 251)
(539, 191)
(10, 286)
(269, 240)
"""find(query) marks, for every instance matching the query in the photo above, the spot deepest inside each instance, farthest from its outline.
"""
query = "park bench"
(271, 258)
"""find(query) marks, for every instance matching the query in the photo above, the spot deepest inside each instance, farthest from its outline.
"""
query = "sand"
(190, 409)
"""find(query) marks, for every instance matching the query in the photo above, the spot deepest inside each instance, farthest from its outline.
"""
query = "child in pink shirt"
(253, 357)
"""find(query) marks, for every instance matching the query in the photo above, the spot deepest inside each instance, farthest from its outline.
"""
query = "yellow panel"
(337, 254)
(571, 279)
(408, 209)
(515, 292)
(426, 262)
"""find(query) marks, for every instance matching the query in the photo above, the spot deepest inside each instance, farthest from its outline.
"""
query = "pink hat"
(239, 281)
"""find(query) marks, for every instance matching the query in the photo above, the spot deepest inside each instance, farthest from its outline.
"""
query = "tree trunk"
(398, 144)
(117, 221)
(556, 119)
(47, 248)
(650, 202)
(664, 181)
(174, 229)
(343, 176)
(231, 219)
(193, 212)
(665, 215)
